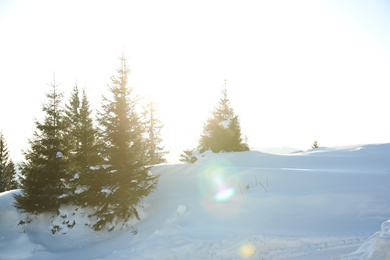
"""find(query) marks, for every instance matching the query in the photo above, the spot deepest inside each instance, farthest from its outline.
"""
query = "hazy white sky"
(297, 71)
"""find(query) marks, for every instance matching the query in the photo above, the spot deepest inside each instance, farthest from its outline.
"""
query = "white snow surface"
(181, 210)
(59, 155)
(376, 247)
(324, 203)
(226, 123)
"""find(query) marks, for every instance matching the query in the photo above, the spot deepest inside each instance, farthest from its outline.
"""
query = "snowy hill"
(312, 205)
(277, 150)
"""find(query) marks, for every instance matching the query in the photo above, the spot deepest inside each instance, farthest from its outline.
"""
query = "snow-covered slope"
(376, 247)
(250, 205)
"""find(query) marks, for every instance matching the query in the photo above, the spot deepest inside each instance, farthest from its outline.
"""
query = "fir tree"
(72, 120)
(80, 134)
(4, 155)
(188, 156)
(88, 149)
(7, 167)
(128, 179)
(88, 176)
(153, 126)
(8, 179)
(315, 145)
(222, 132)
(44, 171)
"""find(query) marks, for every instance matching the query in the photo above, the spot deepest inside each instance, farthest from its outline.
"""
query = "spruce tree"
(153, 126)
(72, 120)
(7, 167)
(188, 156)
(315, 145)
(81, 135)
(44, 171)
(88, 149)
(88, 177)
(127, 180)
(222, 132)
(4, 155)
(8, 179)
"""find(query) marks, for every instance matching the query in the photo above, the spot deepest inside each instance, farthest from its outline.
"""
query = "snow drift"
(250, 205)
(376, 247)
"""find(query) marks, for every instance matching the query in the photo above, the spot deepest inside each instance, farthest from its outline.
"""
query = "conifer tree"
(81, 135)
(315, 145)
(72, 120)
(222, 132)
(128, 179)
(188, 156)
(88, 149)
(88, 176)
(44, 171)
(8, 181)
(7, 167)
(153, 126)
(4, 155)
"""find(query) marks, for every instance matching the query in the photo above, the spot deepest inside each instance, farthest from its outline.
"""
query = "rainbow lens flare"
(218, 181)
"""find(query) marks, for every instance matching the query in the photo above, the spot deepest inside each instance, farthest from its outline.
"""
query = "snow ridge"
(247, 205)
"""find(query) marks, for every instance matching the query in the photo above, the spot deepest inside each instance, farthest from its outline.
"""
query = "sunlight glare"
(247, 251)
(218, 181)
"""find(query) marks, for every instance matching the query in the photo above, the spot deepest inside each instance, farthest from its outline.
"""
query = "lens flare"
(247, 251)
(224, 193)
(218, 181)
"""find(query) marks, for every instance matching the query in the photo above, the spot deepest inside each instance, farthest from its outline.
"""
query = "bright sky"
(296, 71)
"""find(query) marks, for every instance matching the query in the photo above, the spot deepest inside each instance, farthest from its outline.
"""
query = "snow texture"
(107, 191)
(81, 189)
(207, 133)
(321, 204)
(376, 247)
(59, 155)
(181, 209)
(226, 123)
